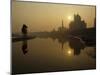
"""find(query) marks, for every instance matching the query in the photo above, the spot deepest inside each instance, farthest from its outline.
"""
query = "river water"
(50, 55)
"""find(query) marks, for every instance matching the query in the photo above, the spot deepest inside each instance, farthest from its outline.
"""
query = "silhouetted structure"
(24, 30)
(62, 29)
(77, 24)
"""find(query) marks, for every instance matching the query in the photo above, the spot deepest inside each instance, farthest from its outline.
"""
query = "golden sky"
(47, 16)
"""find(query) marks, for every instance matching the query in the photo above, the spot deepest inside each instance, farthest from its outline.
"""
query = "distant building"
(62, 28)
(77, 24)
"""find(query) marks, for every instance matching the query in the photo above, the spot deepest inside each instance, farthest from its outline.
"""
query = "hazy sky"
(46, 16)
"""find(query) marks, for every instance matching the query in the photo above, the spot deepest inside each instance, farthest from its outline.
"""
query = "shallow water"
(49, 55)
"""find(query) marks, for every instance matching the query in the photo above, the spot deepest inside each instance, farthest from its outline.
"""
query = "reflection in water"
(24, 46)
(62, 41)
(92, 53)
(69, 52)
(46, 55)
(77, 44)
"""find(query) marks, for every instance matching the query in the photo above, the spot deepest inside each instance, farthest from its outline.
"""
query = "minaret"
(62, 24)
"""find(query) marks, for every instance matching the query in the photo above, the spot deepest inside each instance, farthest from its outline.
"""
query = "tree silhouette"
(24, 29)
(77, 24)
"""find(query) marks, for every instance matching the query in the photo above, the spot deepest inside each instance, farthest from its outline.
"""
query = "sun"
(70, 18)
(69, 52)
